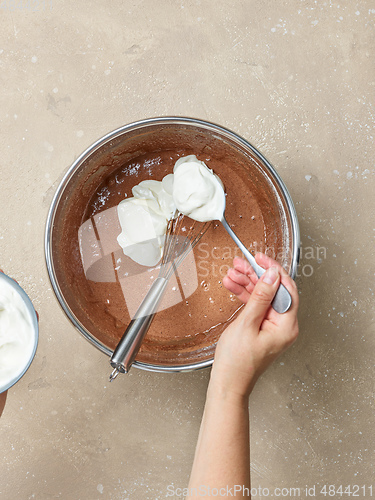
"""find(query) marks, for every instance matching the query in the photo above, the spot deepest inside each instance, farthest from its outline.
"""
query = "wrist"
(233, 390)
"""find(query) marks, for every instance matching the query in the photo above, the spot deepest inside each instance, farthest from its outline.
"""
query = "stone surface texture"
(297, 79)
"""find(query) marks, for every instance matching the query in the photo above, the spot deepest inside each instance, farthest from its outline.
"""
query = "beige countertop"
(296, 79)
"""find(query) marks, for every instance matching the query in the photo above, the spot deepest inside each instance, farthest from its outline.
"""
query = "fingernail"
(270, 276)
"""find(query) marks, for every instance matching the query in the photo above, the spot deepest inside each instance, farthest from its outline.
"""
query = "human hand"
(259, 334)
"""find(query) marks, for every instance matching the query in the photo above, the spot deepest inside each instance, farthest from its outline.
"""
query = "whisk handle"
(282, 301)
(130, 343)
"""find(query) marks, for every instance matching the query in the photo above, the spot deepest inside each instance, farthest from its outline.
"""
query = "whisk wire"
(177, 245)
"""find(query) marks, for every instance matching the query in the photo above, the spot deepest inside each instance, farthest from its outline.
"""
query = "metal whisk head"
(179, 241)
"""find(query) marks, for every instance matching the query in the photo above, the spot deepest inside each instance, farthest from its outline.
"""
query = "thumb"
(262, 296)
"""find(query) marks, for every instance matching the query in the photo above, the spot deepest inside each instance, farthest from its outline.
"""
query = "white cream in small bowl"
(19, 332)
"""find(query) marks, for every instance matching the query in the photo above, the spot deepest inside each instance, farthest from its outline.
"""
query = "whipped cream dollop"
(193, 189)
(197, 191)
(17, 338)
(144, 219)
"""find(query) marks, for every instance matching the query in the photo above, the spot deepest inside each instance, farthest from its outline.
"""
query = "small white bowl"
(21, 370)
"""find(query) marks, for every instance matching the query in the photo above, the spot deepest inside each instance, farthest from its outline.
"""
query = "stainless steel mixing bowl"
(118, 147)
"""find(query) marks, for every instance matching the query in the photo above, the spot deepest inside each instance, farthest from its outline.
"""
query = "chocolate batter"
(99, 289)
